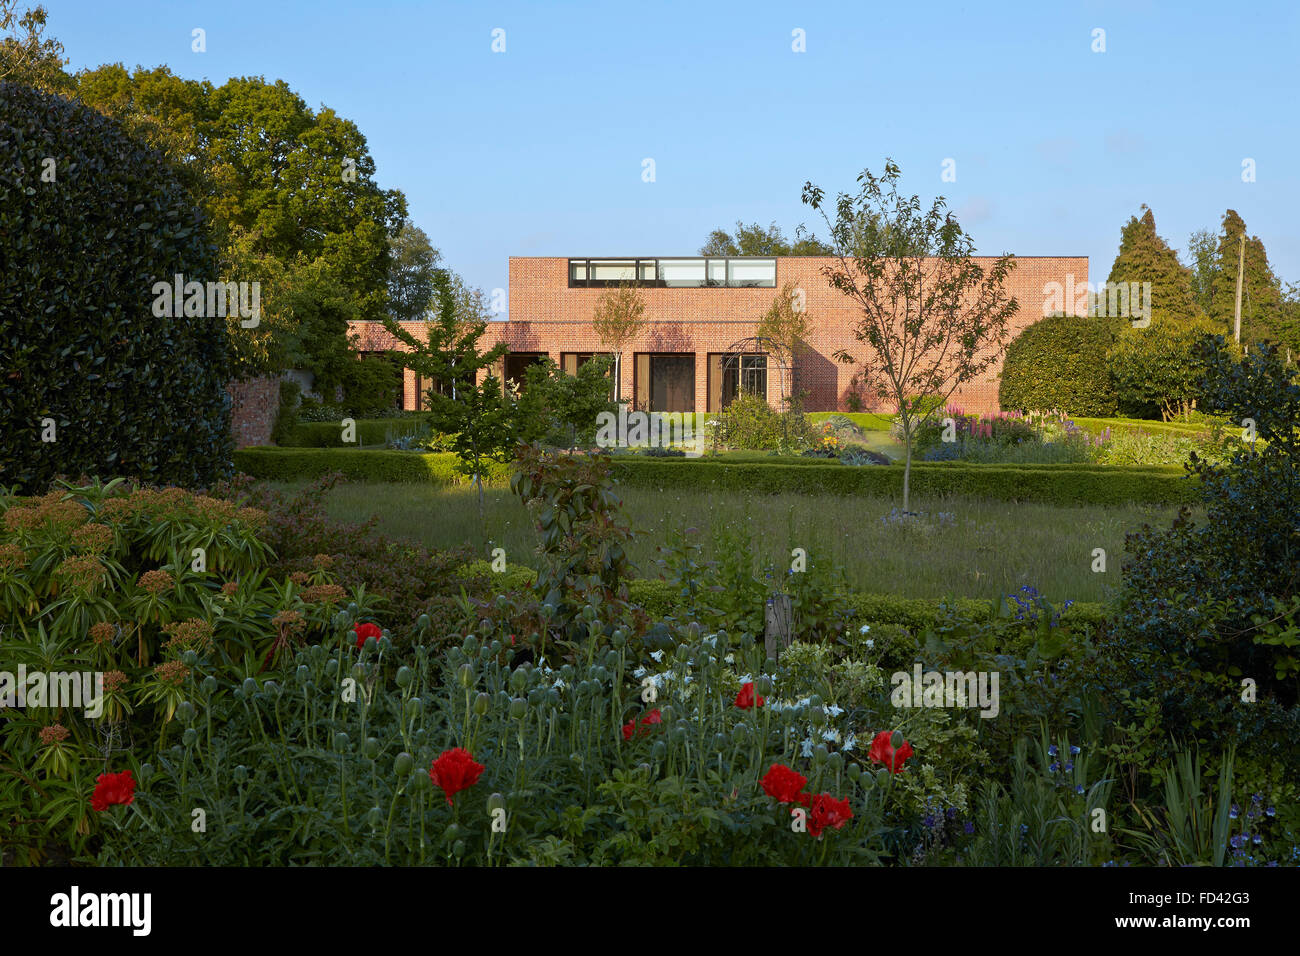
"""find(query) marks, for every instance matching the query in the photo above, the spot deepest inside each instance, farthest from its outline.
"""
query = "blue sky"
(539, 150)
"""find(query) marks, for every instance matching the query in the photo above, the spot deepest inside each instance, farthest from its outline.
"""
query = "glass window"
(578, 271)
(752, 273)
(681, 273)
(613, 270)
(753, 374)
(717, 272)
(646, 269)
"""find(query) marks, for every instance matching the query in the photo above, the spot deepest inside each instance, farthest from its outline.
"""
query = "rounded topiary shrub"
(1059, 362)
(92, 381)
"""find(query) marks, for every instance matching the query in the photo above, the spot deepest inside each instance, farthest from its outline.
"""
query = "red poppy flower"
(653, 717)
(783, 784)
(112, 788)
(882, 751)
(825, 811)
(364, 631)
(454, 771)
(745, 699)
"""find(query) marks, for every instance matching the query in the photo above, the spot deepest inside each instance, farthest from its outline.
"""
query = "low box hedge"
(379, 465)
(370, 431)
(1055, 484)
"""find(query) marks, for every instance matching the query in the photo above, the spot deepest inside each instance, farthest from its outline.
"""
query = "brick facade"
(547, 316)
(254, 404)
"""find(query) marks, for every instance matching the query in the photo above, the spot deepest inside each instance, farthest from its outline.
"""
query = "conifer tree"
(1261, 294)
(1145, 257)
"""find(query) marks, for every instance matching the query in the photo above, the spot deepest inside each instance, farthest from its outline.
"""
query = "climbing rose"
(825, 811)
(364, 631)
(454, 771)
(111, 788)
(783, 784)
(745, 699)
(882, 751)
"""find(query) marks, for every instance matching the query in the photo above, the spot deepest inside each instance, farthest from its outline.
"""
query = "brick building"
(696, 349)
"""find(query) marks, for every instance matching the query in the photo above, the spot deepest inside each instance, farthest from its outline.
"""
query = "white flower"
(864, 628)
(639, 673)
(831, 736)
(730, 658)
(834, 710)
(850, 743)
(870, 643)
(657, 655)
(807, 748)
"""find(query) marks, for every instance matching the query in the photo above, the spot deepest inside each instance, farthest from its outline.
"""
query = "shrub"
(749, 423)
(1157, 370)
(127, 392)
(286, 419)
(1060, 362)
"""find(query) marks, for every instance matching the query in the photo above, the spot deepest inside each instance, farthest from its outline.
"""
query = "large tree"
(754, 240)
(1262, 312)
(411, 274)
(1145, 257)
(27, 56)
(932, 317)
(290, 195)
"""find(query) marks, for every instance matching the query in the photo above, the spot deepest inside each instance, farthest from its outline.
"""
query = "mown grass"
(990, 548)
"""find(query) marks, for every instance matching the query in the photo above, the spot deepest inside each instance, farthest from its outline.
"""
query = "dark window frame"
(638, 263)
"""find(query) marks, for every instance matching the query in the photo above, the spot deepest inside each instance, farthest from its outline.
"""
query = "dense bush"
(749, 423)
(1158, 370)
(370, 432)
(94, 381)
(1059, 362)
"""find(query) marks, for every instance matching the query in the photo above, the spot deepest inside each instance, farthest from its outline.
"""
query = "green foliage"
(293, 464)
(749, 423)
(1059, 362)
(128, 393)
(754, 240)
(559, 409)
(1145, 257)
(1263, 312)
(411, 276)
(1156, 369)
(582, 533)
(286, 418)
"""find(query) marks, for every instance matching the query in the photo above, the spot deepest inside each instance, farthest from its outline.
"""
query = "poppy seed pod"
(185, 711)
(416, 703)
(190, 659)
(481, 704)
(835, 761)
(341, 741)
(303, 673)
(763, 685)
(518, 707)
(353, 609)
(896, 741)
(422, 622)
(820, 754)
(371, 747)
(240, 773)
(209, 685)
(465, 676)
(495, 802)
(659, 750)
(190, 737)
(405, 676)
(403, 764)
(331, 667)
(250, 686)
(458, 848)
(375, 816)
(855, 772)
(518, 679)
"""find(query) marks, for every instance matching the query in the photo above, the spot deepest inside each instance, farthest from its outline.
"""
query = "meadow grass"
(989, 547)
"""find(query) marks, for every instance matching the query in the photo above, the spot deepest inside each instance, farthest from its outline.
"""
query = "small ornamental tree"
(92, 380)
(562, 409)
(1059, 362)
(619, 316)
(784, 326)
(933, 317)
(1156, 370)
(477, 415)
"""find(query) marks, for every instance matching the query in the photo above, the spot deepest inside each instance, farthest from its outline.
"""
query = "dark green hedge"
(292, 464)
(129, 393)
(1058, 484)
(1060, 362)
(370, 431)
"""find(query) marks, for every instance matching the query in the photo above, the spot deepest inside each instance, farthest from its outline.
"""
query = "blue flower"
(1054, 767)
(968, 827)
(1069, 765)
(1051, 751)
(1078, 788)
(1234, 812)
(1074, 749)
(1271, 812)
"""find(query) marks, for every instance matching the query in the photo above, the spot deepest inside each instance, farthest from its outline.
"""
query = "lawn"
(989, 548)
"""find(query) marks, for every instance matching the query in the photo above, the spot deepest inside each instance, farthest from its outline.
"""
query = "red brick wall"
(254, 405)
(548, 316)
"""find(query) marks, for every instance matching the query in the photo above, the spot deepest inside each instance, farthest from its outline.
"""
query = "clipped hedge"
(370, 431)
(294, 464)
(93, 381)
(1054, 484)
(1060, 362)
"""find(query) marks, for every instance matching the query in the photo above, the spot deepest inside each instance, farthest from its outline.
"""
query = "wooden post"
(779, 625)
(1241, 265)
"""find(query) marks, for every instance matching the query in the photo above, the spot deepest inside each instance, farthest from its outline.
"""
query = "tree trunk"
(907, 466)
